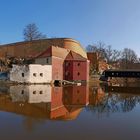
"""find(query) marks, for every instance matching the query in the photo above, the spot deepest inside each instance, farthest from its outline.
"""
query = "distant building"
(97, 64)
(102, 65)
(94, 60)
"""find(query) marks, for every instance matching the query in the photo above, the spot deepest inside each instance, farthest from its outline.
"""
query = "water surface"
(40, 112)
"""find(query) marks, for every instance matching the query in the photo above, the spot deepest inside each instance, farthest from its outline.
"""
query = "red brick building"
(76, 67)
(66, 64)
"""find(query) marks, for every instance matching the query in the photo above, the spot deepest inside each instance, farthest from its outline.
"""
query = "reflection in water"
(31, 94)
(65, 103)
(37, 105)
(44, 101)
(110, 99)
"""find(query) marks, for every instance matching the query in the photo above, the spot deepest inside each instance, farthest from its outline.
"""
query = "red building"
(76, 95)
(66, 64)
(67, 102)
(76, 67)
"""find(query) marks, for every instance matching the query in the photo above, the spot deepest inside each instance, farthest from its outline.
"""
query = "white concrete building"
(33, 73)
(31, 93)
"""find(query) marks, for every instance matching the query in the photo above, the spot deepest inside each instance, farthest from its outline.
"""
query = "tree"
(31, 32)
(129, 55)
(128, 58)
(116, 55)
(108, 53)
(91, 48)
(105, 52)
(99, 48)
(112, 55)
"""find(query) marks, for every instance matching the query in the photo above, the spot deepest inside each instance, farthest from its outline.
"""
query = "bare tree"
(129, 55)
(128, 58)
(101, 50)
(112, 55)
(91, 48)
(108, 53)
(116, 55)
(31, 32)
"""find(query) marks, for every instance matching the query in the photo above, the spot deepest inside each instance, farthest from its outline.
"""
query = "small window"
(67, 64)
(67, 73)
(47, 60)
(78, 64)
(34, 92)
(41, 92)
(22, 74)
(22, 92)
(41, 74)
(78, 100)
(78, 73)
(34, 74)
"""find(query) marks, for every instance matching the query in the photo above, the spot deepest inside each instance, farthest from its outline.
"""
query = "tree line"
(125, 56)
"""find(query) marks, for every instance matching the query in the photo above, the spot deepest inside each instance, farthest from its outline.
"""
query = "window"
(22, 74)
(41, 74)
(41, 92)
(67, 73)
(78, 73)
(34, 74)
(34, 92)
(78, 64)
(47, 60)
(22, 92)
(67, 64)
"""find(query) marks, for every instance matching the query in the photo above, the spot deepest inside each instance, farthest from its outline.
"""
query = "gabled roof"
(46, 53)
(75, 56)
(61, 53)
(54, 51)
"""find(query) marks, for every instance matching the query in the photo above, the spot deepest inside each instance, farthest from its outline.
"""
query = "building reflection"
(66, 103)
(45, 102)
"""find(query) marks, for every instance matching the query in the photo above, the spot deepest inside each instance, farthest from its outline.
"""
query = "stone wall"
(31, 73)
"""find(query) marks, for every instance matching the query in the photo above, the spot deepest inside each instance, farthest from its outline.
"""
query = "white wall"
(31, 93)
(32, 73)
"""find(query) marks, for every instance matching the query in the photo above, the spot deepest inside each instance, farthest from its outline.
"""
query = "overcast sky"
(115, 22)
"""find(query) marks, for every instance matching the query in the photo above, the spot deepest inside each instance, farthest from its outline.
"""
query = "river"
(43, 112)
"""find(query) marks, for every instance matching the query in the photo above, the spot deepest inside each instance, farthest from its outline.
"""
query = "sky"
(114, 22)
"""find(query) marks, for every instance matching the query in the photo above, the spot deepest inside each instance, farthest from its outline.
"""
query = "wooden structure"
(120, 73)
